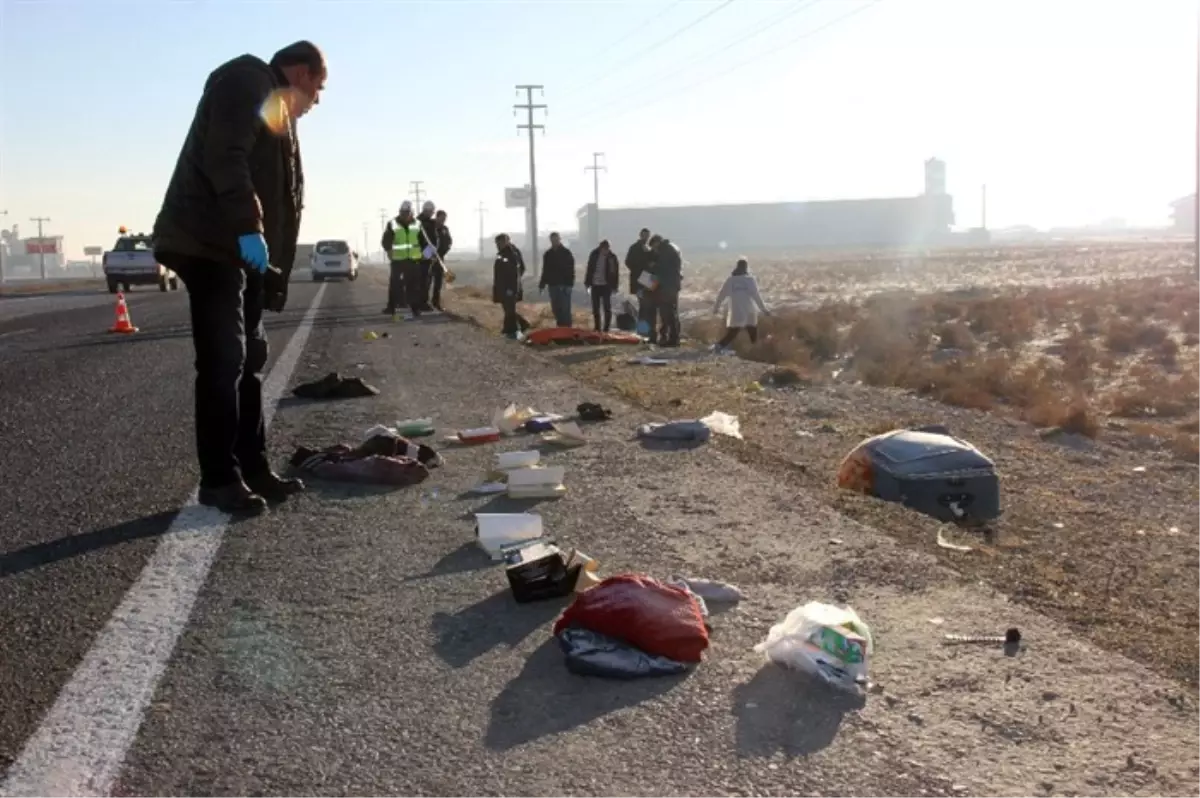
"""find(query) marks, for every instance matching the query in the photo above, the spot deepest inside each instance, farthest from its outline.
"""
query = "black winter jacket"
(444, 241)
(429, 232)
(611, 266)
(636, 260)
(507, 271)
(235, 176)
(558, 267)
(667, 268)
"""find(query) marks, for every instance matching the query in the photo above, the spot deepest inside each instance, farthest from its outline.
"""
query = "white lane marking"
(82, 742)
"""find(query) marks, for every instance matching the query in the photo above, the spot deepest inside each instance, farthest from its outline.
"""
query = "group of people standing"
(655, 278)
(417, 247)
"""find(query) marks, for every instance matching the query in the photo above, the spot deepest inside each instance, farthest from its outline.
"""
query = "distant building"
(1183, 215)
(901, 221)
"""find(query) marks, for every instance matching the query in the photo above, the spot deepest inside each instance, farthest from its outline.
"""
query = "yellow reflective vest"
(405, 245)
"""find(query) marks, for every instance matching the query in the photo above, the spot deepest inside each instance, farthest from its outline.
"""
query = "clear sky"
(1069, 110)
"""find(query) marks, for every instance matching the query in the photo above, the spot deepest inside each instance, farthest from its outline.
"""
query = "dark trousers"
(512, 319)
(560, 304)
(648, 313)
(426, 267)
(602, 298)
(414, 283)
(438, 275)
(668, 311)
(226, 301)
(731, 333)
(397, 296)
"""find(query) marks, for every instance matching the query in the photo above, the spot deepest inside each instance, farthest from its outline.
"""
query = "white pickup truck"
(131, 261)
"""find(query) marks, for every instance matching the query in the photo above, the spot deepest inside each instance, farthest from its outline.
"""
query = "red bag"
(659, 619)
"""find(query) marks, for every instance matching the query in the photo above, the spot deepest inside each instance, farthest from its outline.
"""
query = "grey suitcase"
(935, 474)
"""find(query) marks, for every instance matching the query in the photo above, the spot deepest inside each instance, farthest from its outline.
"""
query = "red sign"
(43, 246)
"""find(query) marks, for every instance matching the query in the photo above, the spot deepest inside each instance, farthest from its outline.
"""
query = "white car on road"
(334, 258)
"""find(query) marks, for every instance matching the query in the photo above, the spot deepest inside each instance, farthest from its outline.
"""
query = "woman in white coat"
(741, 289)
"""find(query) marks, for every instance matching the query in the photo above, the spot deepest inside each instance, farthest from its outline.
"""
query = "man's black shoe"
(388, 311)
(235, 499)
(273, 487)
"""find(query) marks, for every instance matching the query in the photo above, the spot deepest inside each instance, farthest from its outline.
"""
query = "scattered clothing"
(399, 446)
(590, 653)
(341, 463)
(627, 318)
(661, 620)
(710, 589)
(335, 386)
(590, 411)
(687, 430)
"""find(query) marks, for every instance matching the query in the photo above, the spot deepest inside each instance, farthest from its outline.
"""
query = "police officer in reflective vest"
(401, 240)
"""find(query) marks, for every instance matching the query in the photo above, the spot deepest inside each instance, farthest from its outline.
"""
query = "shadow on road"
(495, 621)
(784, 711)
(53, 551)
(467, 557)
(545, 698)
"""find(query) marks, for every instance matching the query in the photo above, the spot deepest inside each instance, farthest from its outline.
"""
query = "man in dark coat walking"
(444, 243)
(507, 271)
(558, 275)
(228, 227)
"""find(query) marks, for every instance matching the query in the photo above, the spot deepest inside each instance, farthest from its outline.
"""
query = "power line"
(415, 185)
(633, 58)
(761, 55)
(633, 31)
(759, 28)
(596, 168)
(529, 107)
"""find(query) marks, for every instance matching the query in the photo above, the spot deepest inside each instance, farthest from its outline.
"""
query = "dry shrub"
(1075, 416)
(955, 335)
(1155, 394)
(1079, 357)
(1167, 353)
(1190, 321)
(1191, 339)
(1089, 320)
(1126, 336)
(1185, 447)
(815, 330)
(1009, 320)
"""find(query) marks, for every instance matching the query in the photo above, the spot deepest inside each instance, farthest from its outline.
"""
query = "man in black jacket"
(444, 243)
(507, 272)
(228, 227)
(429, 247)
(667, 267)
(637, 259)
(603, 275)
(558, 274)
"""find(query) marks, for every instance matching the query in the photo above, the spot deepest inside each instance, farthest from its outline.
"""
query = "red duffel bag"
(659, 619)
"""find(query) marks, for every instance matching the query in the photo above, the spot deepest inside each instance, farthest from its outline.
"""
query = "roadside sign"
(517, 197)
(93, 252)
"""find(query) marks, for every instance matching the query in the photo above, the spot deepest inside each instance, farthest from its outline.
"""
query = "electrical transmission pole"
(366, 240)
(529, 107)
(596, 168)
(41, 241)
(417, 192)
(482, 210)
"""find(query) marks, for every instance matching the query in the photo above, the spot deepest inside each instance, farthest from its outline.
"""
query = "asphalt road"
(357, 642)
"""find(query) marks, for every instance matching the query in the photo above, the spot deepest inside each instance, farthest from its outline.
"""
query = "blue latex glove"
(427, 253)
(253, 248)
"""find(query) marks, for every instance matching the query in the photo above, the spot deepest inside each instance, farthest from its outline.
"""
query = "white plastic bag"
(510, 419)
(723, 424)
(830, 642)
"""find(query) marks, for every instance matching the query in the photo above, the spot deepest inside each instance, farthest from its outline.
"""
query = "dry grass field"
(1074, 367)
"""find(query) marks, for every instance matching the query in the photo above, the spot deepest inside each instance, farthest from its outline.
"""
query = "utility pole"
(366, 243)
(415, 185)
(41, 241)
(2, 213)
(383, 219)
(596, 168)
(529, 107)
(481, 210)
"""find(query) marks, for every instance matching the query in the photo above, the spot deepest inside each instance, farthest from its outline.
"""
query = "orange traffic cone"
(123, 324)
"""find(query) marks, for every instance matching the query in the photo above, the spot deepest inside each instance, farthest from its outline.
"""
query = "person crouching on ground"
(741, 289)
(558, 275)
(602, 276)
(507, 271)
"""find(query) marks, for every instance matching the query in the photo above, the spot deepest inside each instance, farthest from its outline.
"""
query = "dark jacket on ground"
(611, 266)
(507, 271)
(636, 260)
(667, 268)
(235, 177)
(429, 231)
(558, 267)
(444, 241)
(389, 235)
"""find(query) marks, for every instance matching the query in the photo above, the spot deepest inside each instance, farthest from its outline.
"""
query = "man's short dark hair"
(604, 244)
(501, 238)
(644, 230)
(302, 53)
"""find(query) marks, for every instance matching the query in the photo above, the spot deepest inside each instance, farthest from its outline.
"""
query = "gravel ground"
(1101, 535)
